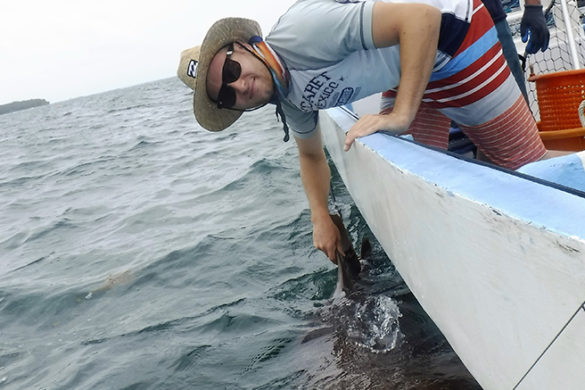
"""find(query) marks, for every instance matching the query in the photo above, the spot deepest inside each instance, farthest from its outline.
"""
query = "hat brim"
(222, 33)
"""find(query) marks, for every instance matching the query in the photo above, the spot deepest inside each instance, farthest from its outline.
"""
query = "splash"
(373, 323)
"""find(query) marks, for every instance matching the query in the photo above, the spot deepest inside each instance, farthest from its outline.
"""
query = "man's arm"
(315, 176)
(416, 28)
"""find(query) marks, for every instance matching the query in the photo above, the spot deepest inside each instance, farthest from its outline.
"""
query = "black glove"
(533, 29)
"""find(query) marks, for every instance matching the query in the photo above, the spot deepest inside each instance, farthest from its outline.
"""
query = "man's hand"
(533, 29)
(369, 124)
(326, 237)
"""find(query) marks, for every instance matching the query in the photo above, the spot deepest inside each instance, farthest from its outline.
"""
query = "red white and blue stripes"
(477, 90)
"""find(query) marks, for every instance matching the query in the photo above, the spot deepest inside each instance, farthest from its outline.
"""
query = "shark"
(348, 271)
(348, 262)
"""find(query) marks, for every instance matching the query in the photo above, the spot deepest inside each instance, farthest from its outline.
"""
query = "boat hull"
(495, 259)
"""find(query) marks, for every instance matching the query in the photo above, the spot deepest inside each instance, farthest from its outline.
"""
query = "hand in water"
(326, 237)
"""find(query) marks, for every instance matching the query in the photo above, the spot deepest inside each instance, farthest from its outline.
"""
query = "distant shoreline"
(22, 105)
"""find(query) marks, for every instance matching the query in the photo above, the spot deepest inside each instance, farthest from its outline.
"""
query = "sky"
(62, 49)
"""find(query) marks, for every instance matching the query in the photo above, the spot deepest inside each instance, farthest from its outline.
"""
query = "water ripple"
(140, 251)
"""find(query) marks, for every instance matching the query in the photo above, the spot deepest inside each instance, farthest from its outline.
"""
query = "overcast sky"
(61, 49)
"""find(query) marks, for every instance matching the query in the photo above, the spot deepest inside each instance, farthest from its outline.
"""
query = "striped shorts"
(476, 89)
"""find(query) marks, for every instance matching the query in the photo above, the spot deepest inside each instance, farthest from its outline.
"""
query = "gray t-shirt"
(328, 48)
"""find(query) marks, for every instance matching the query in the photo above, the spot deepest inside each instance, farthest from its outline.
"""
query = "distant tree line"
(22, 105)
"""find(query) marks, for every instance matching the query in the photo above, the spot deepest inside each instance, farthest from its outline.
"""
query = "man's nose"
(239, 85)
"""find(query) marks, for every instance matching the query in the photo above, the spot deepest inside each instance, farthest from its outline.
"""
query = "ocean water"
(139, 251)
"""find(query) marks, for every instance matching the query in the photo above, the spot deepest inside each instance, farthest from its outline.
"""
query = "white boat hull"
(496, 260)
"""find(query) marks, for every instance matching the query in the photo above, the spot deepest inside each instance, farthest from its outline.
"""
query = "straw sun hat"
(195, 64)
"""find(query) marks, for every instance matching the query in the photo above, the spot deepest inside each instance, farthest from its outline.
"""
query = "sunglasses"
(230, 72)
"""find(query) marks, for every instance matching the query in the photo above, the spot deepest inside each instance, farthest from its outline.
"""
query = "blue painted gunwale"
(538, 202)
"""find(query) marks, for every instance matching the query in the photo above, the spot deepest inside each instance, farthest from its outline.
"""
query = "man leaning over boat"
(440, 58)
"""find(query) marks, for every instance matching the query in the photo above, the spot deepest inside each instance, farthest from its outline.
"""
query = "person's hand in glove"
(533, 28)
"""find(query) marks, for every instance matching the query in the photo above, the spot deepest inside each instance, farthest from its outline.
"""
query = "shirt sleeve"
(303, 124)
(318, 33)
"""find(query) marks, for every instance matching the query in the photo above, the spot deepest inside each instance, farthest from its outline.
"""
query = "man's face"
(252, 88)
